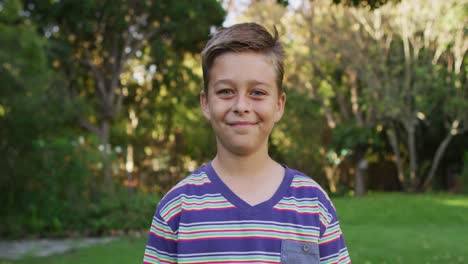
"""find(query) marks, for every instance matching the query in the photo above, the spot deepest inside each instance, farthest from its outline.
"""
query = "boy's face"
(242, 103)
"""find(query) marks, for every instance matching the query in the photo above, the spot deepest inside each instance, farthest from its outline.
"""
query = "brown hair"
(242, 38)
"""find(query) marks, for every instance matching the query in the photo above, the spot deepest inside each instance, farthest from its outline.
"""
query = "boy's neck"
(253, 178)
(242, 165)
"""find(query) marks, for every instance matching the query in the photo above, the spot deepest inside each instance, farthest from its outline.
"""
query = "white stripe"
(233, 253)
(247, 222)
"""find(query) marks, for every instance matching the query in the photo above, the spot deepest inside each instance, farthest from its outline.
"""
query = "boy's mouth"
(242, 123)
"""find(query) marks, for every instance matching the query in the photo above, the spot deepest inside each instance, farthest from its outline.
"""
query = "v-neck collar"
(243, 205)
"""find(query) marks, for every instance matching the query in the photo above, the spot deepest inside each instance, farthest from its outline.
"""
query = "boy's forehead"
(250, 55)
(233, 82)
(252, 66)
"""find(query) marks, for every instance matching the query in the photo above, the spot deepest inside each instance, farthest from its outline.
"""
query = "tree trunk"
(354, 97)
(396, 151)
(106, 166)
(359, 177)
(437, 157)
(408, 101)
(411, 130)
(330, 173)
(129, 165)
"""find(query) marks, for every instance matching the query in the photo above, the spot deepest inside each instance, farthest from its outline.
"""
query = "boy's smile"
(242, 124)
(242, 103)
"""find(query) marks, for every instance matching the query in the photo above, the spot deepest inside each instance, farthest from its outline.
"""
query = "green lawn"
(379, 228)
(124, 251)
(399, 228)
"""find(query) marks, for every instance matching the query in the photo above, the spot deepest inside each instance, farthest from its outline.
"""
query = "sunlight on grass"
(455, 202)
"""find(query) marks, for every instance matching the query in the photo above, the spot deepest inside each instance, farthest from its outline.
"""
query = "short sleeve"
(332, 246)
(161, 246)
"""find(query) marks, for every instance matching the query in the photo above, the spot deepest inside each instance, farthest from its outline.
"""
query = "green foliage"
(22, 57)
(27, 120)
(297, 137)
(44, 173)
(10, 11)
(193, 16)
(171, 130)
(121, 211)
(62, 214)
(352, 137)
(102, 23)
(99, 46)
(48, 188)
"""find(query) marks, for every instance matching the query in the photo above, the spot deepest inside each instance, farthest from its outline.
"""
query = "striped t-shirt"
(201, 220)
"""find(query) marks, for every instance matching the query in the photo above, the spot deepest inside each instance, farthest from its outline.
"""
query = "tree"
(391, 62)
(415, 49)
(37, 171)
(383, 71)
(95, 40)
(23, 117)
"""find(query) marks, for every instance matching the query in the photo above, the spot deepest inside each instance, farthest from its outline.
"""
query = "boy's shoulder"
(199, 177)
(301, 180)
(304, 186)
(195, 183)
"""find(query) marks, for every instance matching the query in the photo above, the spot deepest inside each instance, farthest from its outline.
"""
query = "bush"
(54, 192)
(122, 211)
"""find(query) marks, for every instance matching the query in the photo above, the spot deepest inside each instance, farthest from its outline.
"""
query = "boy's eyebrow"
(256, 82)
(223, 81)
(231, 82)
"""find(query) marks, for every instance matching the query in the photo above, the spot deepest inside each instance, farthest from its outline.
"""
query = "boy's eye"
(225, 92)
(258, 93)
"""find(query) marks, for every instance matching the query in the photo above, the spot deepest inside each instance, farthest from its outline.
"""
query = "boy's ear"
(204, 105)
(280, 107)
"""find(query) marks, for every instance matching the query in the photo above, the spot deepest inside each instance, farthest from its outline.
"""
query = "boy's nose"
(241, 105)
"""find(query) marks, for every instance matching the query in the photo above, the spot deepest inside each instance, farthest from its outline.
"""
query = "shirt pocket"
(295, 252)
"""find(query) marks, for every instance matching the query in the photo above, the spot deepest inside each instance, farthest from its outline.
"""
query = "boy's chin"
(241, 150)
(239, 146)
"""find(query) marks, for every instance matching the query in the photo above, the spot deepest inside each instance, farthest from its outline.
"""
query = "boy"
(243, 207)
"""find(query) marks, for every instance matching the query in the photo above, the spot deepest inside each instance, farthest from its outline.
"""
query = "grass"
(125, 250)
(403, 228)
(379, 228)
